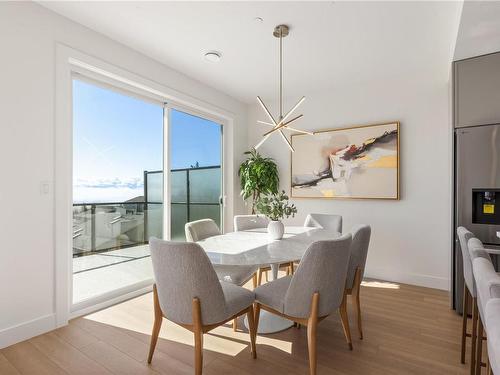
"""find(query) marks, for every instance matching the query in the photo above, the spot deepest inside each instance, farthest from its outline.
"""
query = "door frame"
(68, 62)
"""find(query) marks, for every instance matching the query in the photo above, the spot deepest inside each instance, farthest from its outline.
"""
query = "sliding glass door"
(195, 171)
(117, 188)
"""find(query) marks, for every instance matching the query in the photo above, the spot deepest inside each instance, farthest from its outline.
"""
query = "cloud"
(111, 183)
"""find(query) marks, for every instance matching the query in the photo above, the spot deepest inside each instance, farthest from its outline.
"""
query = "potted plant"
(276, 207)
(258, 176)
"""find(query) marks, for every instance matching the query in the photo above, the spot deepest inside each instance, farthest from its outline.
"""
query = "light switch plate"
(44, 187)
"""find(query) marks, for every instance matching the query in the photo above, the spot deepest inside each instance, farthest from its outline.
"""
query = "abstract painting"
(358, 162)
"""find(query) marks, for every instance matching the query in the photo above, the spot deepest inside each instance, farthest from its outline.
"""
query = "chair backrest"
(246, 222)
(487, 281)
(182, 272)
(477, 250)
(464, 236)
(325, 221)
(323, 269)
(200, 229)
(359, 251)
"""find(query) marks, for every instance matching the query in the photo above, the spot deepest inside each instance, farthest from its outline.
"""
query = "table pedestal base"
(270, 323)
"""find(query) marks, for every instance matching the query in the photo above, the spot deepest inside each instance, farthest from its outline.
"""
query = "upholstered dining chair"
(493, 331)
(247, 222)
(487, 287)
(238, 275)
(325, 221)
(356, 269)
(469, 297)
(315, 291)
(188, 293)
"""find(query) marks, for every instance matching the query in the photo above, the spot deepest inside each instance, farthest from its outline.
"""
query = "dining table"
(254, 247)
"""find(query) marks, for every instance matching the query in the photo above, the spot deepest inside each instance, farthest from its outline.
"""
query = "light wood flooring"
(407, 330)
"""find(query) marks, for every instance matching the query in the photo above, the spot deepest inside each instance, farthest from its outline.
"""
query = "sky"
(117, 137)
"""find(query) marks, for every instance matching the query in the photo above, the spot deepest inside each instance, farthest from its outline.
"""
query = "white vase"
(275, 229)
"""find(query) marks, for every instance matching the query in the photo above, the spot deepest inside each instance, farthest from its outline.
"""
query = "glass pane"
(154, 186)
(179, 218)
(117, 188)
(203, 211)
(195, 152)
(204, 185)
(178, 186)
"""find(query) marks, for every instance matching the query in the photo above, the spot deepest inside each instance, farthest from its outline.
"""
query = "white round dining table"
(255, 248)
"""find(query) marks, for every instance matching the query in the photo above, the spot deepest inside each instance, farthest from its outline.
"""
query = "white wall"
(28, 37)
(410, 237)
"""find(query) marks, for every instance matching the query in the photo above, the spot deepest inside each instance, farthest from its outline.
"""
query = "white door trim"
(69, 61)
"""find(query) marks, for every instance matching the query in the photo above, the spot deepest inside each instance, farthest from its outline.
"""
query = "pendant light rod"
(281, 73)
(280, 32)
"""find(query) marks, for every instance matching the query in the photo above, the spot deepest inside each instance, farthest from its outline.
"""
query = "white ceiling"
(331, 44)
(479, 31)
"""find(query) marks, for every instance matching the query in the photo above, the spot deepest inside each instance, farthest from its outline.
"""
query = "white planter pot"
(276, 229)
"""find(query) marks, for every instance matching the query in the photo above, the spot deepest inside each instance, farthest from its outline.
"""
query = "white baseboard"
(26, 330)
(427, 281)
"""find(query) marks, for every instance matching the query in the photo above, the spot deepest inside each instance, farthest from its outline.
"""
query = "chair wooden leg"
(254, 280)
(473, 337)
(156, 325)
(198, 337)
(267, 277)
(256, 308)
(479, 357)
(292, 268)
(356, 300)
(235, 324)
(252, 331)
(259, 278)
(345, 321)
(464, 322)
(288, 271)
(312, 324)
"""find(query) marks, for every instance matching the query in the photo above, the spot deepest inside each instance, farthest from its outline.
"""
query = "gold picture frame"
(381, 164)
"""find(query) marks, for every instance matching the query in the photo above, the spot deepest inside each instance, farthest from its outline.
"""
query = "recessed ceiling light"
(258, 19)
(213, 56)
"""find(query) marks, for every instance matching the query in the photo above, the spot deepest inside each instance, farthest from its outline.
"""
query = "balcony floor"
(97, 274)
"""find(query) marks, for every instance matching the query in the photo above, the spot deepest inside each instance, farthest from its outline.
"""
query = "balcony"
(110, 239)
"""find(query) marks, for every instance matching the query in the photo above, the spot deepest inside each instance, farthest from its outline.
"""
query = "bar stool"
(469, 297)
(488, 288)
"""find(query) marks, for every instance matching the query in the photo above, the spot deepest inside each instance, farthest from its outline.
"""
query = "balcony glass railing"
(104, 227)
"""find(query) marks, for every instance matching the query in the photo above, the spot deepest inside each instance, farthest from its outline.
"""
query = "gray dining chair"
(188, 293)
(469, 296)
(322, 221)
(238, 275)
(325, 221)
(315, 291)
(493, 323)
(356, 269)
(248, 222)
(487, 287)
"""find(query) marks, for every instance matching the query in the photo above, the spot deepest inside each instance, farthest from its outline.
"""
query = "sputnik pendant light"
(281, 123)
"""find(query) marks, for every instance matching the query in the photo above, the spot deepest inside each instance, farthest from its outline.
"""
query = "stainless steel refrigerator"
(477, 192)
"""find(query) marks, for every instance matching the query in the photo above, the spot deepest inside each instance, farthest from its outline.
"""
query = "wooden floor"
(407, 330)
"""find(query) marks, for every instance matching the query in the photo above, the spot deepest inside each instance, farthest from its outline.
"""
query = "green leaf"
(258, 175)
